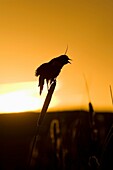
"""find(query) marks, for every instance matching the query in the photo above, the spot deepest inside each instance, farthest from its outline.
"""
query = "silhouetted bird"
(49, 71)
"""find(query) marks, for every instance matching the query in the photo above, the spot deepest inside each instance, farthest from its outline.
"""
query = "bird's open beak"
(70, 60)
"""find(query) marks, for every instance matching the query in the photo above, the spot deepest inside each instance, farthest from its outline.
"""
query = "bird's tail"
(41, 84)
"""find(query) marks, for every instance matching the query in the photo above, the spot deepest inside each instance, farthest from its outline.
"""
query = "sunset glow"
(18, 101)
(24, 97)
(33, 32)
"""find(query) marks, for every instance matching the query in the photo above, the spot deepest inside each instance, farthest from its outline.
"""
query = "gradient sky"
(35, 31)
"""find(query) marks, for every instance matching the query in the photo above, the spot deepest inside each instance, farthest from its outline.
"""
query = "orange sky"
(33, 32)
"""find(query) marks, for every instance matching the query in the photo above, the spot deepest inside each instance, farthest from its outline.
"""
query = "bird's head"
(64, 59)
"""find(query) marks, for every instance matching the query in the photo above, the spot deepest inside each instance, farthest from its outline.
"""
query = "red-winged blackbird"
(49, 71)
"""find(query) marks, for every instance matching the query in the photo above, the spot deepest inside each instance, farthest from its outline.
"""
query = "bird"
(50, 70)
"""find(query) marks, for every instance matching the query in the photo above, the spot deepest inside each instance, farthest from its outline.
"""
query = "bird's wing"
(40, 69)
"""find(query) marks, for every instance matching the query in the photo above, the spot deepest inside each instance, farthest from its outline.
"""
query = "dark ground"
(66, 141)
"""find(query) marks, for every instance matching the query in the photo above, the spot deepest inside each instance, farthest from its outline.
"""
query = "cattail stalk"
(40, 119)
(111, 94)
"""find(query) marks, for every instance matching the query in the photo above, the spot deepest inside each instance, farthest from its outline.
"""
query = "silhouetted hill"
(65, 140)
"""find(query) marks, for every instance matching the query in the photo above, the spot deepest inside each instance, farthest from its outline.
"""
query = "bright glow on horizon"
(22, 97)
(19, 101)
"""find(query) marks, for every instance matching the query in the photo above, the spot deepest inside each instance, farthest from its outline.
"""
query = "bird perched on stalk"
(50, 70)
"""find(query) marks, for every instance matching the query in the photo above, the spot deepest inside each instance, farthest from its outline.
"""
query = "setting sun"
(20, 97)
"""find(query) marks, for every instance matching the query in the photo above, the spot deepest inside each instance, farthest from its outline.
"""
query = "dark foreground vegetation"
(67, 141)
